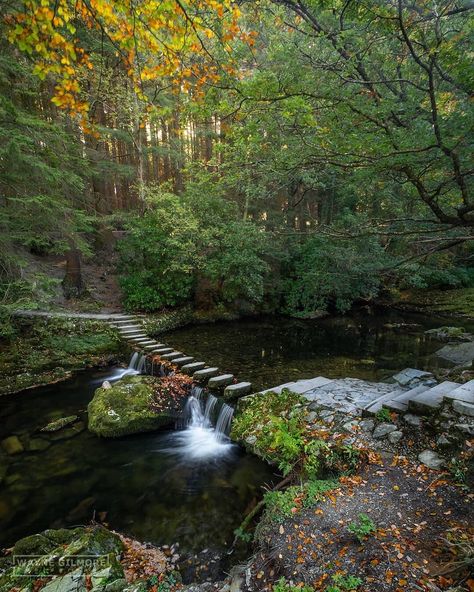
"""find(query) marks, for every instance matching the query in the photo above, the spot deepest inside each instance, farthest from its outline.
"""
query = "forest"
(278, 156)
(236, 296)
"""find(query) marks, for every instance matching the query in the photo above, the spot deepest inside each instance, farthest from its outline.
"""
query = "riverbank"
(456, 303)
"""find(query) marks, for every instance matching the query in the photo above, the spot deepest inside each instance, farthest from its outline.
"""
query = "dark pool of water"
(271, 351)
(131, 483)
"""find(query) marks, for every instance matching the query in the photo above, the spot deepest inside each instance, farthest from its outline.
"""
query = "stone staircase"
(131, 330)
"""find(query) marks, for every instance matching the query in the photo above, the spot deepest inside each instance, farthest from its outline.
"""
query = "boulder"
(458, 353)
(395, 437)
(127, 408)
(449, 334)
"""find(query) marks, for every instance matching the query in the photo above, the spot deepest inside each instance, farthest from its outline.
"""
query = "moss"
(47, 350)
(127, 408)
(458, 302)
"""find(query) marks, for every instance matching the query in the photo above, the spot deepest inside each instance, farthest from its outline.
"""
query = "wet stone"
(12, 445)
(383, 430)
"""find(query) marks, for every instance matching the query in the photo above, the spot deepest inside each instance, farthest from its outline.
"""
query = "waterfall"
(199, 439)
(133, 361)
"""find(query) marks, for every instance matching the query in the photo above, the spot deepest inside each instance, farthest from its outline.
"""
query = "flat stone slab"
(172, 355)
(433, 397)
(408, 375)
(193, 367)
(459, 353)
(205, 374)
(220, 381)
(183, 360)
(300, 386)
(234, 391)
(463, 408)
(465, 393)
(163, 350)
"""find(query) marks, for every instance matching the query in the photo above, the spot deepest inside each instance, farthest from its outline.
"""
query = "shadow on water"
(190, 486)
(275, 350)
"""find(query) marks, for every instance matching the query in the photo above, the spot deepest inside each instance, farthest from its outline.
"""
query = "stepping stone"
(171, 356)
(234, 391)
(144, 342)
(192, 368)
(410, 374)
(220, 381)
(205, 374)
(433, 397)
(378, 403)
(130, 330)
(300, 386)
(400, 402)
(151, 347)
(465, 392)
(163, 350)
(182, 361)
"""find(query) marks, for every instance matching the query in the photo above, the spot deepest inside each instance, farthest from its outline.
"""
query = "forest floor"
(422, 524)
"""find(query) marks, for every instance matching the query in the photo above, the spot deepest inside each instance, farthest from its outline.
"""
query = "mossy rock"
(449, 334)
(126, 408)
(44, 550)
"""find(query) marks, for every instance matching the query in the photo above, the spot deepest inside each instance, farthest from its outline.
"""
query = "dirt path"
(412, 508)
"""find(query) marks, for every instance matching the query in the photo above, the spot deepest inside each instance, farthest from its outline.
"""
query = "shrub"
(362, 528)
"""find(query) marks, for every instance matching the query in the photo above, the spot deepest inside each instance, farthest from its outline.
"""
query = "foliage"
(383, 414)
(325, 271)
(344, 583)
(362, 528)
(283, 586)
(183, 243)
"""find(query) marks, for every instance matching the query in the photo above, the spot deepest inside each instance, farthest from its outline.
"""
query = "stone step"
(217, 382)
(300, 386)
(433, 397)
(204, 374)
(376, 405)
(400, 402)
(134, 336)
(234, 391)
(463, 407)
(163, 350)
(183, 360)
(464, 392)
(171, 356)
(408, 375)
(152, 346)
(193, 367)
(130, 329)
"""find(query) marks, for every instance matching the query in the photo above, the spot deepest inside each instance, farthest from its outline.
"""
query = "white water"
(200, 440)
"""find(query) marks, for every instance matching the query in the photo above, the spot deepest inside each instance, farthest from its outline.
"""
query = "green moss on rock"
(126, 408)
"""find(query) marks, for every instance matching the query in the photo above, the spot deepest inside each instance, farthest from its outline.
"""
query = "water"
(190, 486)
(272, 351)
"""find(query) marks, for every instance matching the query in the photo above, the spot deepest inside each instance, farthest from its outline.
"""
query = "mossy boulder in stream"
(128, 407)
(65, 560)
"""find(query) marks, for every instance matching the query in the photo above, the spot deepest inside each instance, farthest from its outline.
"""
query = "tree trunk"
(73, 284)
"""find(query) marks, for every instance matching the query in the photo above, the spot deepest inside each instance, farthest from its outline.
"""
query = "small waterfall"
(200, 439)
(133, 361)
(141, 365)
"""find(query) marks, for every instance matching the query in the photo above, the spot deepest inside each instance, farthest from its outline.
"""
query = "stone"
(62, 422)
(449, 334)
(192, 368)
(12, 445)
(126, 408)
(464, 392)
(383, 429)
(410, 375)
(431, 399)
(443, 441)
(367, 425)
(312, 416)
(431, 459)
(459, 353)
(183, 360)
(221, 381)
(395, 437)
(463, 408)
(234, 391)
(38, 444)
(106, 384)
(465, 428)
(413, 420)
(204, 374)
(172, 356)
(351, 426)
(251, 440)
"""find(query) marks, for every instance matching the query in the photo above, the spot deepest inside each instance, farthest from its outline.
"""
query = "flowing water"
(190, 486)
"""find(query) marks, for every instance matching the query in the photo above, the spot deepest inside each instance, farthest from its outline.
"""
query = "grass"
(451, 302)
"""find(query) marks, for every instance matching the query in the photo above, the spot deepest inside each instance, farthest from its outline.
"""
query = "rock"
(463, 408)
(234, 391)
(312, 416)
(12, 445)
(460, 353)
(395, 437)
(54, 426)
(449, 334)
(126, 408)
(251, 440)
(367, 425)
(38, 444)
(383, 430)
(350, 426)
(106, 385)
(465, 428)
(443, 441)
(410, 376)
(431, 459)
(413, 420)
